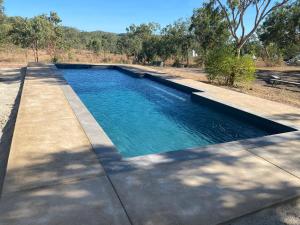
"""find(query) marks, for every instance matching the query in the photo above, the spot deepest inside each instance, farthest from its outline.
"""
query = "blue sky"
(110, 15)
(106, 15)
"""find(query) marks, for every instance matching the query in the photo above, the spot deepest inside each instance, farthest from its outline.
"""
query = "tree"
(150, 48)
(209, 27)
(282, 28)
(36, 33)
(1, 11)
(55, 41)
(235, 11)
(223, 66)
(176, 41)
(3, 30)
(94, 45)
(136, 36)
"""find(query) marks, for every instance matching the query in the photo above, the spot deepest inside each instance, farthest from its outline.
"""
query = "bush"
(272, 55)
(55, 59)
(225, 68)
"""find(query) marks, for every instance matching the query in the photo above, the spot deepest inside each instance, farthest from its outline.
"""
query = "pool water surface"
(143, 117)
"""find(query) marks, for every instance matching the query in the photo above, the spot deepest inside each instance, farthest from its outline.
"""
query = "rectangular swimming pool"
(143, 117)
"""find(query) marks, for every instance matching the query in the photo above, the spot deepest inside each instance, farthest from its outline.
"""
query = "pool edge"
(114, 162)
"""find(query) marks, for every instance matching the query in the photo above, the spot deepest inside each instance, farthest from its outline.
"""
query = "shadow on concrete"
(204, 191)
(292, 117)
(183, 187)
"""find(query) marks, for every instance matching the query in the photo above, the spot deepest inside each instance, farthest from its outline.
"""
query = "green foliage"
(209, 26)
(1, 11)
(55, 59)
(176, 41)
(272, 55)
(145, 45)
(252, 47)
(137, 40)
(281, 28)
(150, 48)
(94, 45)
(37, 33)
(225, 68)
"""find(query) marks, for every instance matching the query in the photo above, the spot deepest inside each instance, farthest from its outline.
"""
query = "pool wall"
(114, 162)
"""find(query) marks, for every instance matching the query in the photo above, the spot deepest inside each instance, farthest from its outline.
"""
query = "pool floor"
(143, 117)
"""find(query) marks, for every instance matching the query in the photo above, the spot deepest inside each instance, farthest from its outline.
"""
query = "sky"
(111, 15)
(105, 15)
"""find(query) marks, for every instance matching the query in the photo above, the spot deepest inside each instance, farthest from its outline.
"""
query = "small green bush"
(223, 67)
(272, 55)
(55, 59)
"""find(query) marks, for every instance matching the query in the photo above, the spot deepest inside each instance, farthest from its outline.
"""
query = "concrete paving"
(54, 177)
(91, 201)
(210, 190)
(285, 155)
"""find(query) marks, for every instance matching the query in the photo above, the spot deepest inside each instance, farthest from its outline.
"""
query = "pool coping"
(113, 162)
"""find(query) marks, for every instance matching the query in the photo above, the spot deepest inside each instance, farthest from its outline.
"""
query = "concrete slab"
(49, 145)
(90, 201)
(285, 155)
(205, 191)
(45, 153)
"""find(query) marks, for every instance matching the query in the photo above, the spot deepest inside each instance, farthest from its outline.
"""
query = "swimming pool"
(143, 117)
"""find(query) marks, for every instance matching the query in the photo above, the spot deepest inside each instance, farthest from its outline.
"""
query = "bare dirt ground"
(10, 83)
(283, 93)
(10, 79)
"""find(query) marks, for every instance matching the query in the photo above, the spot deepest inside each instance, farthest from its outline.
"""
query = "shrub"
(55, 59)
(272, 55)
(225, 68)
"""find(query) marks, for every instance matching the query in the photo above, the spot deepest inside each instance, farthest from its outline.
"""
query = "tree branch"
(262, 10)
(228, 20)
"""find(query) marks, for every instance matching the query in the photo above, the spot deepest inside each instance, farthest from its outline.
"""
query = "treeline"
(215, 33)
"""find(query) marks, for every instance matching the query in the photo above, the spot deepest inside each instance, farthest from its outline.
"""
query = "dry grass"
(11, 55)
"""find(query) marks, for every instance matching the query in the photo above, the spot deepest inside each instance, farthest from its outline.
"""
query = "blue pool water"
(142, 116)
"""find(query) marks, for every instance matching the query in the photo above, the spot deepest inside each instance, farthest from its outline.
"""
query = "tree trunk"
(37, 55)
(238, 52)
(35, 51)
(231, 80)
(187, 58)
(239, 47)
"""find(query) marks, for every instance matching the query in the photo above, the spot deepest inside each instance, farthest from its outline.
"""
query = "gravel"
(10, 80)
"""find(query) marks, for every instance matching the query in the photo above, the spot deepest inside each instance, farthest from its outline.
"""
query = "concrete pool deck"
(54, 177)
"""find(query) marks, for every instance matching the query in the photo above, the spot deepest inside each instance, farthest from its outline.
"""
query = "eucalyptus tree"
(94, 45)
(176, 41)
(209, 27)
(2, 23)
(235, 12)
(282, 28)
(55, 39)
(137, 35)
(1, 11)
(36, 33)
